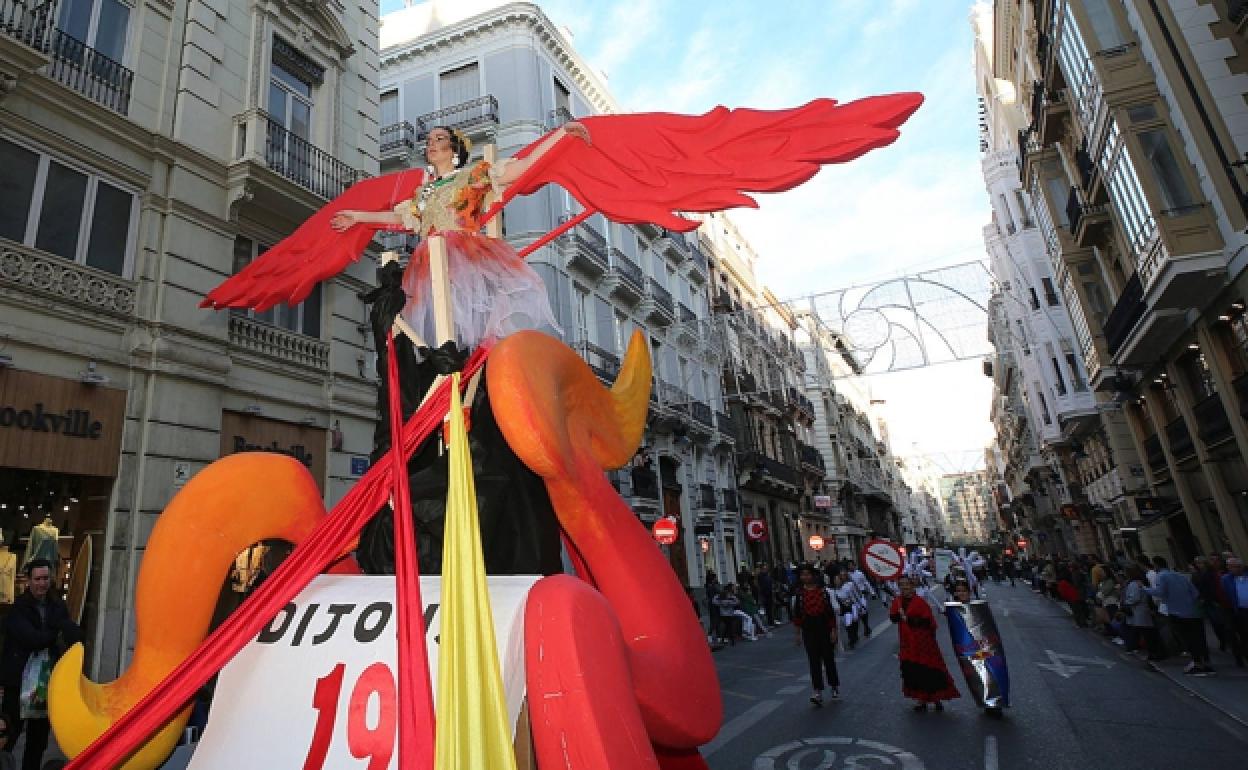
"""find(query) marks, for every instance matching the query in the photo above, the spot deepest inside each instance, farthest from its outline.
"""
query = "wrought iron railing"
(1127, 311)
(604, 363)
(78, 66)
(769, 467)
(722, 301)
(662, 297)
(726, 424)
(30, 22)
(702, 413)
(557, 117)
(811, 456)
(1211, 423)
(589, 245)
(628, 271)
(686, 315)
(1181, 445)
(398, 137)
(475, 113)
(304, 163)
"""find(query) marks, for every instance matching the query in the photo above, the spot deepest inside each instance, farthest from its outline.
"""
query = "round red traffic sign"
(882, 559)
(665, 530)
(816, 542)
(755, 529)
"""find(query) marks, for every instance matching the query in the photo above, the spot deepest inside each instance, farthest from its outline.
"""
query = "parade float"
(493, 658)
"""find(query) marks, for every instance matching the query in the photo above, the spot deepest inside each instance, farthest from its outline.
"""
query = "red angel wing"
(648, 166)
(314, 252)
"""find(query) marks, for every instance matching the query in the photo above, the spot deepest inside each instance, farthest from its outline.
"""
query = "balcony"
(706, 498)
(675, 246)
(247, 334)
(699, 267)
(798, 402)
(645, 483)
(1181, 446)
(812, 459)
(56, 282)
(1240, 384)
(624, 279)
(604, 363)
(280, 173)
(80, 67)
(1089, 176)
(26, 28)
(1211, 423)
(476, 117)
(398, 142)
(657, 305)
(557, 117)
(702, 414)
(1127, 312)
(1181, 266)
(1088, 223)
(1049, 113)
(585, 249)
(770, 471)
(722, 301)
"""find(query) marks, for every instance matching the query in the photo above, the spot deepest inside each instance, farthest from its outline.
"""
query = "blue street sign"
(359, 465)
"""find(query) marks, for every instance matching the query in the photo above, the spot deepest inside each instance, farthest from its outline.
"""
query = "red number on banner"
(325, 701)
(377, 742)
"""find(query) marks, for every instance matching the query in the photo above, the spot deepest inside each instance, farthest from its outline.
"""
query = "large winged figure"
(645, 167)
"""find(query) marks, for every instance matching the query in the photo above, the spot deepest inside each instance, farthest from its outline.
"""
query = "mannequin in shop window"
(43, 542)
(8, 571)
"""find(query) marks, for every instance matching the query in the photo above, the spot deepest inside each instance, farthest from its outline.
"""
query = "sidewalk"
(1226, 689)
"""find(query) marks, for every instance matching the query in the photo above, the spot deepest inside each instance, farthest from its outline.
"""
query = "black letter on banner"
(430, 611)
(336, 611)
(364, 634)
(303, 624)
(272, 634)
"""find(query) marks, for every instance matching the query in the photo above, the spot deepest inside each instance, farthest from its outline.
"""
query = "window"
(1057, 369)
(1156, 148)
(581, 308)
(1104, 24)
(100, 24)
(1035, 301)
(390, 108)
(1076, 376)
(62, 210)
(563, 98)
(459, 85)
(304, 318)
(1050, 294)
(1196, 371)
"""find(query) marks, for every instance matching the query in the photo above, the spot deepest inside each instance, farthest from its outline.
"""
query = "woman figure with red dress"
(923, 674)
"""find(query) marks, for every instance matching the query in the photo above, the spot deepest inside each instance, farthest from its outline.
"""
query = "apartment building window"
(1035, 300)
(1057, 369)
(581, 309)
(563, 98)
(1044, 405)
(100, 24)
(66, 211)
(292, 77)
(459, 85)
(1024, 209)
(1157, 150)
(1195, 370)
(1076, 376)
(304, 318)
(622, 332)
(1233, 335)
(1126, 192)
(1104, 24)
(390, 107)
(1050, 294)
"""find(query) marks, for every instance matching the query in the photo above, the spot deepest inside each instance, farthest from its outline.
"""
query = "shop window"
(304, 318)
(66, 211)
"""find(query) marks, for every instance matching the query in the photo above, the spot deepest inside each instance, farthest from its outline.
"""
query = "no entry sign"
(816, 542)
(882, 559)
(665, 530)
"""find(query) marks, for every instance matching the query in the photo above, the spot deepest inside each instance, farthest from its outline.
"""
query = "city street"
(1077, 702)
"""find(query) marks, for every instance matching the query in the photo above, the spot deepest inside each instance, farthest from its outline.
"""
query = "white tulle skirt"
(494, 292)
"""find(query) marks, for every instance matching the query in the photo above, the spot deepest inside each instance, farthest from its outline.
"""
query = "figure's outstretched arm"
(347, 217)
(512, 168)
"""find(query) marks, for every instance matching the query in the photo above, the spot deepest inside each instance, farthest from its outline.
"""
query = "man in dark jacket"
(39, 620)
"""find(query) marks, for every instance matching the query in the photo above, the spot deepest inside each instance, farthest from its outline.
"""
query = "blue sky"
(914, 205)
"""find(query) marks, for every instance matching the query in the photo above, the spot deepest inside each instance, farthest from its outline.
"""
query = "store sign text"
(75, 423)
(297, 451)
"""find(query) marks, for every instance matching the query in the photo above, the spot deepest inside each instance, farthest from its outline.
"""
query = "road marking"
(990, 752)
(791, 690)
(854, 752)
(1059, 666)
(740, 724)
(740, 694)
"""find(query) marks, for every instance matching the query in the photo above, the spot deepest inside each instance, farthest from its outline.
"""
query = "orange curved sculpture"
(233, 503)
(619, 673)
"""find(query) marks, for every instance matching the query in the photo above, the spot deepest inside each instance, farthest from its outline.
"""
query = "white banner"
(316, 688)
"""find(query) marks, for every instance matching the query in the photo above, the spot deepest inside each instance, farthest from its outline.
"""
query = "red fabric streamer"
(416, 715)
(325, 545)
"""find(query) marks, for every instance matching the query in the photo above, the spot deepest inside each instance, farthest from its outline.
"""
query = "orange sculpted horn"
(566, 427)
(231, 504)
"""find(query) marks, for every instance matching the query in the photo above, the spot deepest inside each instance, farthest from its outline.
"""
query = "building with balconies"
(507, 76)
(149, 151)
(1136, 119)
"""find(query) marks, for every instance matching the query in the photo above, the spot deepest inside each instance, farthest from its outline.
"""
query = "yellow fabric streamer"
(472, 729)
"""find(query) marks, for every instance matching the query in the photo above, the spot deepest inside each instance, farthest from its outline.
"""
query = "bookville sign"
(74, 423)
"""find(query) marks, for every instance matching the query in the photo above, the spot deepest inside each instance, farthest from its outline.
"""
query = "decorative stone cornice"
(523, 15)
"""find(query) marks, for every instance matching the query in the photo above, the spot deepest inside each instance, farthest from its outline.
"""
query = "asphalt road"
(1106, 711)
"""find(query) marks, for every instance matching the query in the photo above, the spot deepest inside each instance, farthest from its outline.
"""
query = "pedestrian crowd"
(1149, 608)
